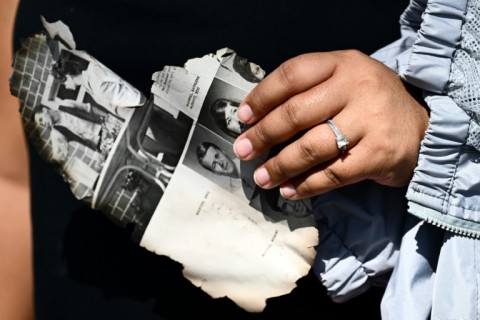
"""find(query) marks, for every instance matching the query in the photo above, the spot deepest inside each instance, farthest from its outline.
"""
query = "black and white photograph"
(131, 198)
(73, 121)
(162, 136)
(144, 160)
(86, 80)
(239, 71)
(83, 102)
(273, 205)
(72, 129)
(213, 157)
(219, 110)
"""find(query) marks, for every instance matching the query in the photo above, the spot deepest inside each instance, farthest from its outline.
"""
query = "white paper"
(167, 167)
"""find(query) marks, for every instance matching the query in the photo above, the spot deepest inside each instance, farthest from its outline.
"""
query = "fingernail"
(244, 113)
(242, 148)
(288, 191)
(261, 177)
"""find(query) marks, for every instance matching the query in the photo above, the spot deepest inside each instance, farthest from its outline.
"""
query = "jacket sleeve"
(360, 228)
(443, 61)
(356, 248)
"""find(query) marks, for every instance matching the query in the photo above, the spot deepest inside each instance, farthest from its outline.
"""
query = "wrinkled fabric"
(412, 280)
(464, 81)
(437, 39)
(429, 36)
(360, 230)
(445, 188)
(435, 260)
(436, 278)
(436, 274)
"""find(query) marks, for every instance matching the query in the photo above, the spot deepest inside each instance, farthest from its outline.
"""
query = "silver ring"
(342, 142)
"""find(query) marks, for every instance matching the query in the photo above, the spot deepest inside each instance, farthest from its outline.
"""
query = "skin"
(16, 274)
(369, 104)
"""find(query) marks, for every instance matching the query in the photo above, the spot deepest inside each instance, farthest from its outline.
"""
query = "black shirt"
(88, 268)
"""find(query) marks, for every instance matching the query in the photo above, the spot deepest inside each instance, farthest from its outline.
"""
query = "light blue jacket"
(434, 251)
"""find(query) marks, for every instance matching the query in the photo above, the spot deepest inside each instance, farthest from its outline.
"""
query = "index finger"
(290, 78)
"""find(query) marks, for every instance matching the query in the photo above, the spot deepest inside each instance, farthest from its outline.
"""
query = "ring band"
(342, 142)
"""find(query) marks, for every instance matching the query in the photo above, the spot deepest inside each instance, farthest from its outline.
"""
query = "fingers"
(316, 147)
(356, 166)
(290, 78)
(365, 99)
(300, 112)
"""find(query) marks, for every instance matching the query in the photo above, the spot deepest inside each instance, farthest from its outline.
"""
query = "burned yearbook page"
(243, 242)
(165, 165)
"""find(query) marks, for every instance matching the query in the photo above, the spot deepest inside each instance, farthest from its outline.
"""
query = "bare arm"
(16, 276)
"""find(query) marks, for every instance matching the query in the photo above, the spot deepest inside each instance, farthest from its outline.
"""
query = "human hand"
(368, 103)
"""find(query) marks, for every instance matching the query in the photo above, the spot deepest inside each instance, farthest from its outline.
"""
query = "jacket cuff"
(445, 188)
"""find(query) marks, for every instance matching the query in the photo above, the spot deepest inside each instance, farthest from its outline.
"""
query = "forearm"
(16, 284)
